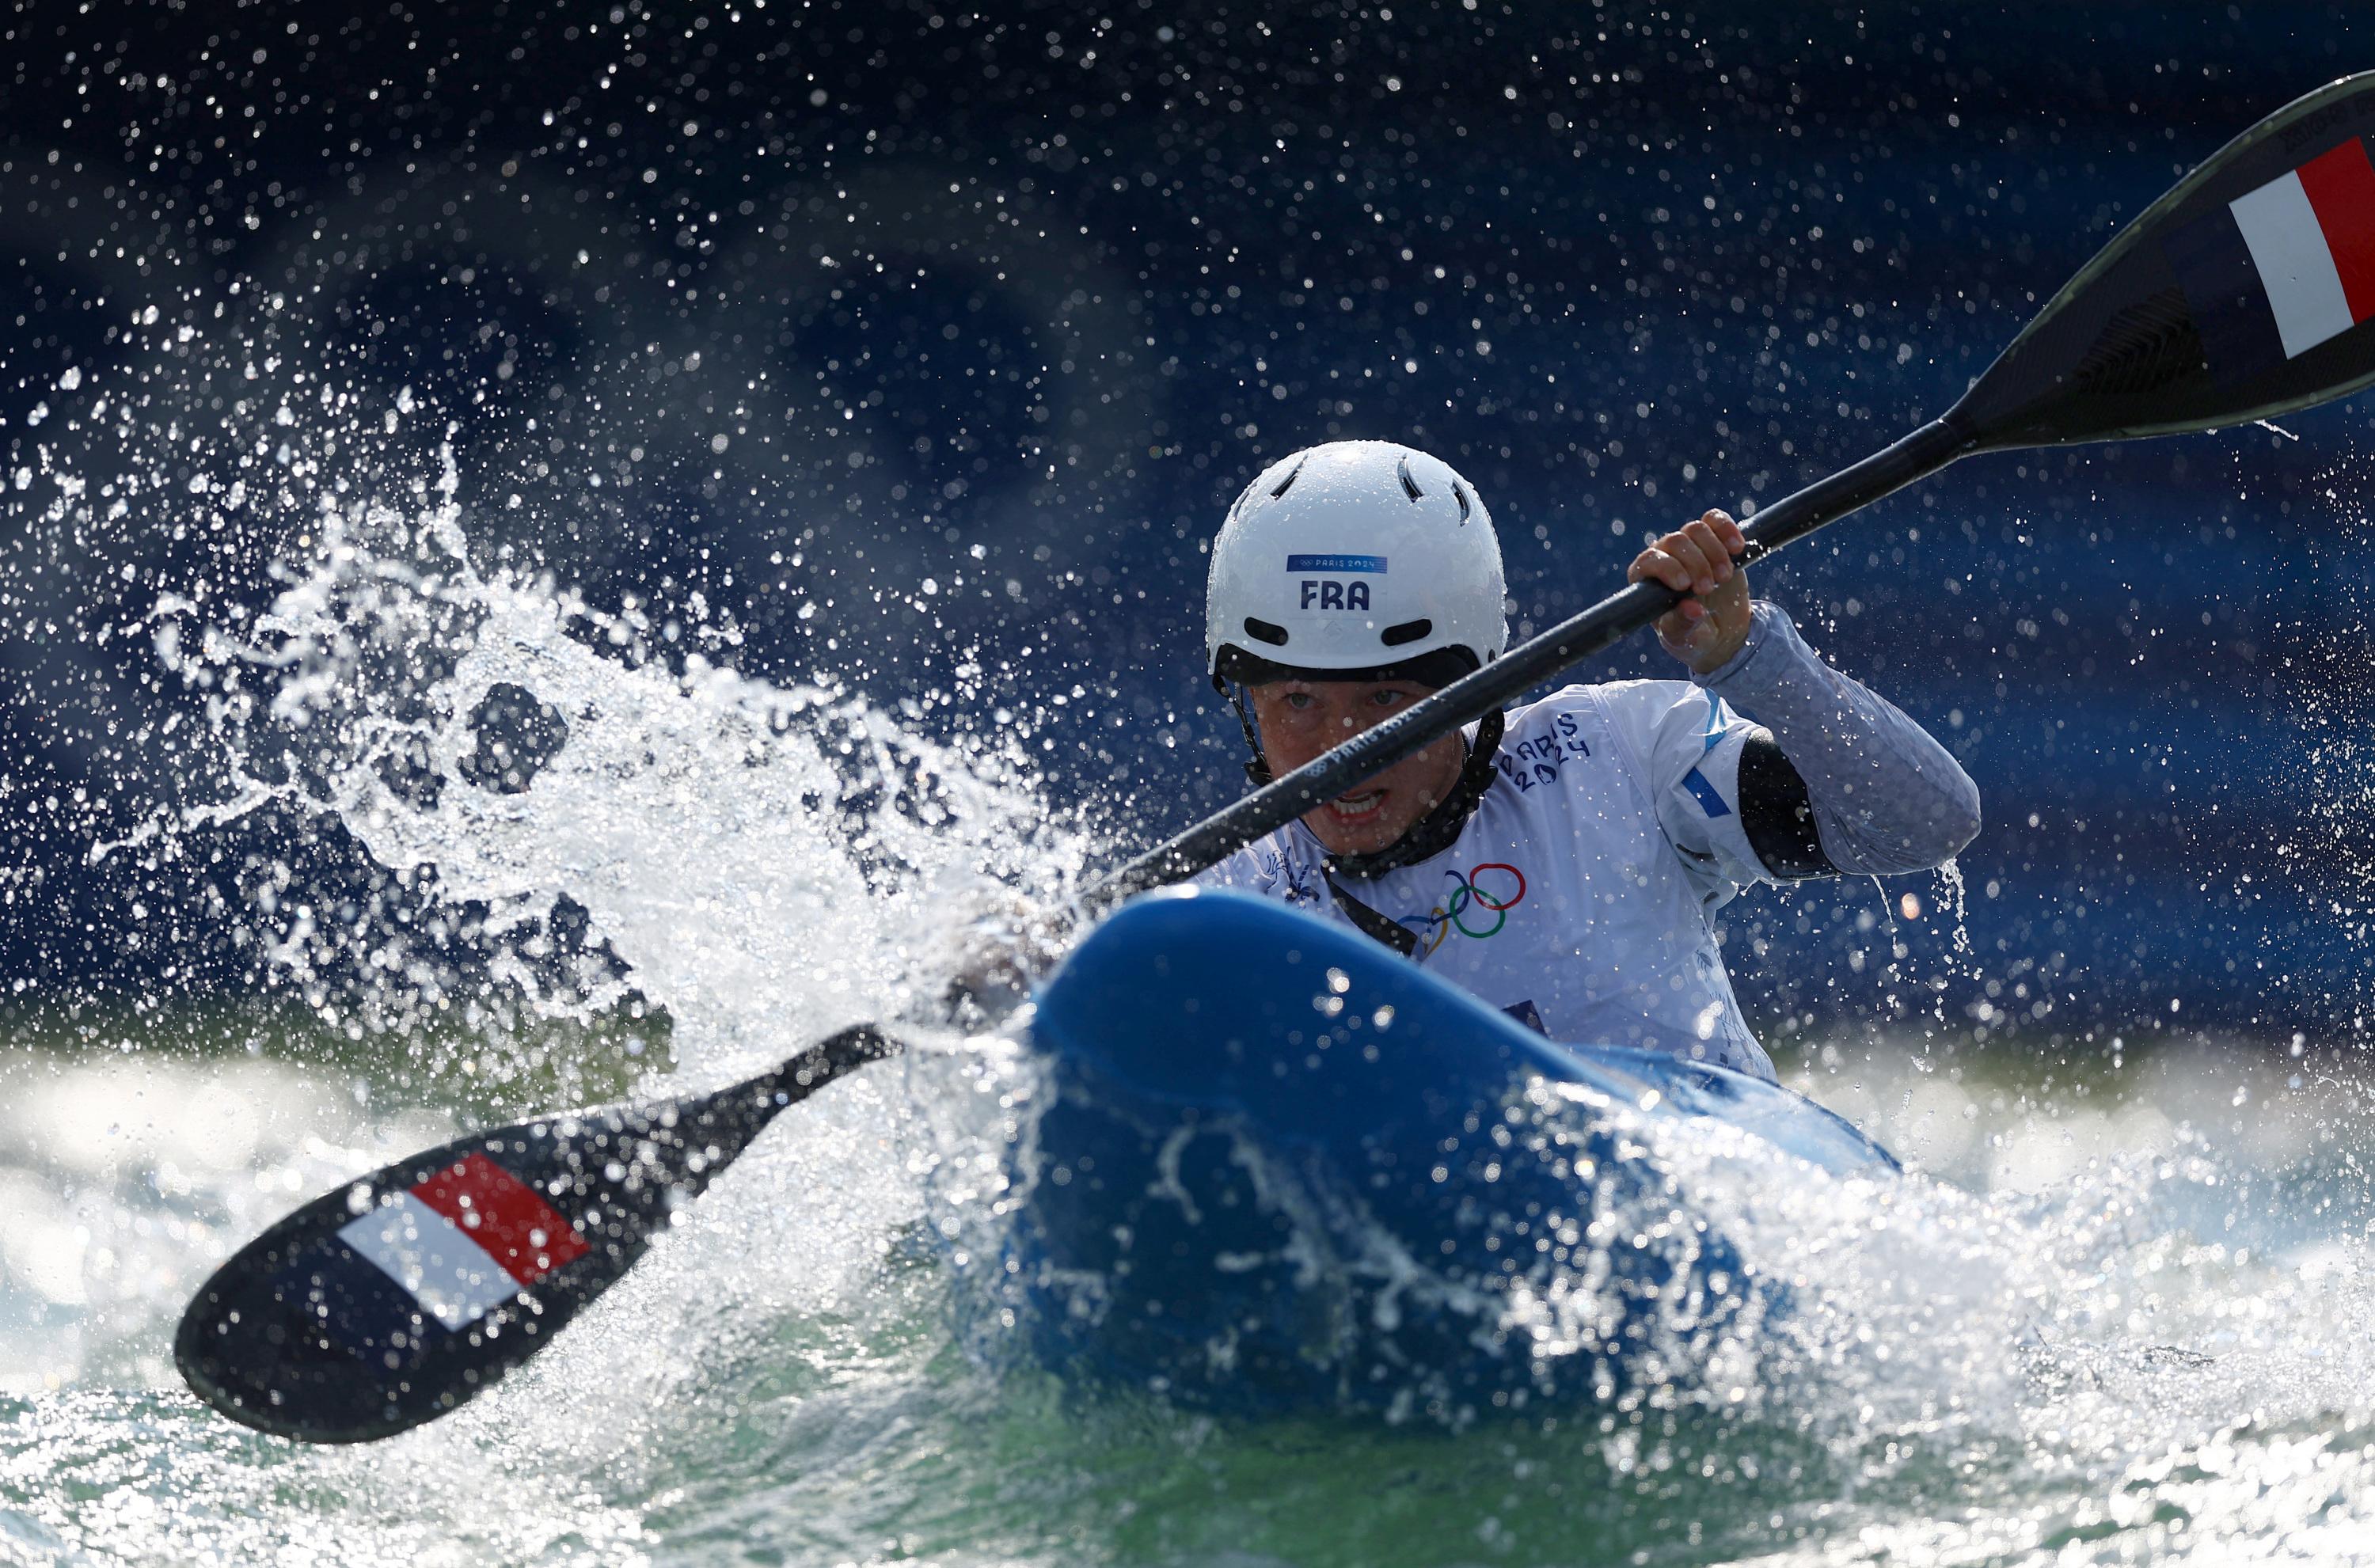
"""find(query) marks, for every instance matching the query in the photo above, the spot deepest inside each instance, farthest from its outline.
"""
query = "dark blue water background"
(957, 334)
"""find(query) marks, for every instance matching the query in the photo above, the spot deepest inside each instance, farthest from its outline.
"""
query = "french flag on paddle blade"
(451, 1248)
(2283, 267)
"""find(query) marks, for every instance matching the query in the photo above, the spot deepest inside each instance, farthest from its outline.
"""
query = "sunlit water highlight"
(2111, 1316)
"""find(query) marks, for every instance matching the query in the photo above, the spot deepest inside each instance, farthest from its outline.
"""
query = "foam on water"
(763, 865)
(2112, 1368)
(2128, 1324)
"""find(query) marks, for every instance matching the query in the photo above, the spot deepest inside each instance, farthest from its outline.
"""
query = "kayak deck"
(1277, 1167)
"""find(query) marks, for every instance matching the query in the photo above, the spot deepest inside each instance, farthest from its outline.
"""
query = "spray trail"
(766, 864)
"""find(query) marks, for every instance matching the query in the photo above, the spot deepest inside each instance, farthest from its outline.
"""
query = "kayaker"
(1564, 861)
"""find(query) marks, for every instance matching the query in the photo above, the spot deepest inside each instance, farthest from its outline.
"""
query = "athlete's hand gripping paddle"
(2244, 292)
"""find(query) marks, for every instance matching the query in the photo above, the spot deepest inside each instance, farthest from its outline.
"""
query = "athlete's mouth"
(1357, 806)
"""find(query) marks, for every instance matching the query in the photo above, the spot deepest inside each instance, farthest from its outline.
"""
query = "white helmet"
(1357, 557)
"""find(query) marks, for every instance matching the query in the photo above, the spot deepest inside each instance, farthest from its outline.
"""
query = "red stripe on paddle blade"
(2341, 188)
(503, 1216)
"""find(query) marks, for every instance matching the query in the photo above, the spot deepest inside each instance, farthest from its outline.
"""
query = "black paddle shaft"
(1917, 455)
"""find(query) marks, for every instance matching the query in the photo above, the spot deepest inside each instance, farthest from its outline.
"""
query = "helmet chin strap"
(1431, 834)
(1434, 832)
(1256, 767)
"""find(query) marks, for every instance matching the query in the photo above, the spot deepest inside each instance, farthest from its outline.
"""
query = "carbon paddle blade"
(2242, 293)
(402, 1295)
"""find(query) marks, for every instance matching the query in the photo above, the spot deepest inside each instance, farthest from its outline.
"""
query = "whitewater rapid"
(2112, 1307)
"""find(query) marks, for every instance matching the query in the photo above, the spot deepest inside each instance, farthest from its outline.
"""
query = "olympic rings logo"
(1469, 894)
(1466, 891)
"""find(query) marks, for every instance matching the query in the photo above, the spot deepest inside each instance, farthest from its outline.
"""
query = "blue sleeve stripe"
(1710, 799)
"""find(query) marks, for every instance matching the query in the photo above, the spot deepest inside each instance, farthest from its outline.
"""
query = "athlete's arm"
(1848, 782)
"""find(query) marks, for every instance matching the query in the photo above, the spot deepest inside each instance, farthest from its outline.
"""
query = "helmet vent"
(1408, 632)
(1462, 494)
(1410, 485)
(1268, 631)
(1291, 473)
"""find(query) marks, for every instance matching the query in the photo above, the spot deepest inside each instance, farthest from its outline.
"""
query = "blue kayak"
(1278, 1168)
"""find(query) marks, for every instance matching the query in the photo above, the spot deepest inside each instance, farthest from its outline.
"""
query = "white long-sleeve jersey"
(1582, 894)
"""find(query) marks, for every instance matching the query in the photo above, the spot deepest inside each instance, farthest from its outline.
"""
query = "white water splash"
(769, 864)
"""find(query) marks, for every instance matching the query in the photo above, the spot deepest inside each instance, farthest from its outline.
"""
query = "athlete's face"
(1301, 719)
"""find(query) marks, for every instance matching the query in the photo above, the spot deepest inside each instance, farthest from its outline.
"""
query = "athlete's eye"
(1298, 701)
